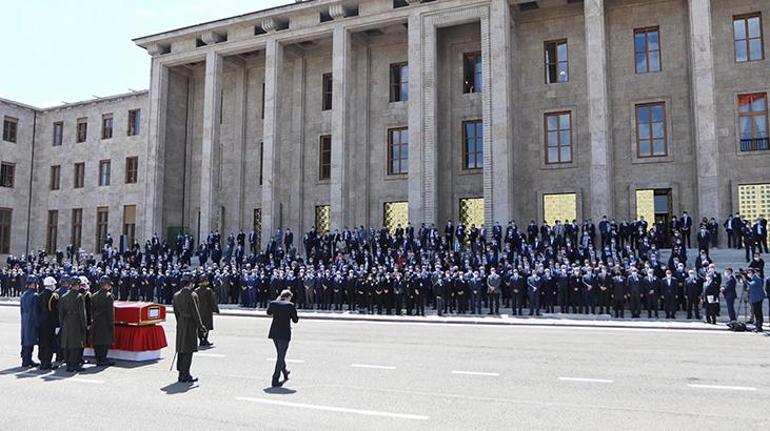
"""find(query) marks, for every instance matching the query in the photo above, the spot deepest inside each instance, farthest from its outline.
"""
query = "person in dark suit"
(685, 224)
(729, 292)
(283, 311)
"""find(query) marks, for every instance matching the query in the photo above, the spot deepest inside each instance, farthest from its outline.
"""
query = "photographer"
(753, 283)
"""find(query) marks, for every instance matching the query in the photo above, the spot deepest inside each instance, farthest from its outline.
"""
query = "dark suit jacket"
(283, 312)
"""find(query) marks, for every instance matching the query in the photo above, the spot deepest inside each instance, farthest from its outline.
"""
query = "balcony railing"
(757, 144)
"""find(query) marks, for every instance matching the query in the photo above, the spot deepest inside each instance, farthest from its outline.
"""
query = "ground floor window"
(52, 232)
(754, 201)
(257, 225)
(559, 206)
(322, 218)
(472, 211)
(395, 214)
(129, 224)
(5, 230)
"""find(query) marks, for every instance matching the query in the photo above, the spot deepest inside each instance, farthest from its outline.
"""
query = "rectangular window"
(10, 127)
(104, 172)
(398, 151)
(80, 174)
(395, 214)
(559, 206)
(262, 110)
(257, 226)
(58, 133)
(748, 38)
(134, 122)
(132, 170)
(102, 222)
(7, 174)
(261, 160)
(52, 231)
(472, 75)
(82, 130)
(647, 49)
(77, 228)
(322, 218)
(55, 181)
(129, 224)
(651, 139)
(752, 120)
(473, 144)
(556, 61)
(399, 82)
(327, 86)
(106, 126)
(558, 137)
(754, 201)
(5, 230)
(325, 158)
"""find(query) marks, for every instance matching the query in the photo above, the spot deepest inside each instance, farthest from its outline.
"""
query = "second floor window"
(325, 158)
(399, 82)
(106, 126)
(558, 137)
(556, 62)
(104, 173)
(327, 87)
(58, 133)
(472, 75)
(747, 34)
(752, 119)
(82, 130)
(473, 144)
(80, 175)
(132, 170)
(10, 127)
(647, 50)
(55, 177)
(7, 174)
(651, 130)
(398, 151)
(134, 122)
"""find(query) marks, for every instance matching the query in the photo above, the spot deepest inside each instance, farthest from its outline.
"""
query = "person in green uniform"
(103, 315)
(207, 300)
(72, 317)
(188, 327)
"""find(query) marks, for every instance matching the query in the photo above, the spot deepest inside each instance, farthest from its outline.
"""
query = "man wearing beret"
(72, 317)
(103, 321)
(188, 327)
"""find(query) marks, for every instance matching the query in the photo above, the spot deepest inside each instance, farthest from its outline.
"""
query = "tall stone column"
(239, 143)
(498, 121)
(422, 121)
(210, 153)
(704, 112)
(601, 174)
(342, 73)
(273, 75)
(153, 163)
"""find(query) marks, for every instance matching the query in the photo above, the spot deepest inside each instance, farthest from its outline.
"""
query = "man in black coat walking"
(283, 312)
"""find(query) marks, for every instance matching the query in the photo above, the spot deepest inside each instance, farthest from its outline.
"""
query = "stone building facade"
(371, 112)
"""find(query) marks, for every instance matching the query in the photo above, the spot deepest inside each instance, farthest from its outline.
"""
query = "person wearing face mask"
(651, 289)
(103, 321)
(758, 264)
(753, 284)
(534, 284)
(711, 292)
(694, 289)
(619, 293)
(603, 281)
(728, 291)
(518, 292)
(669, 287)
(635, 293)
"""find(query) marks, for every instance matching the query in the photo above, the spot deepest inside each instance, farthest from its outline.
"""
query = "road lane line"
(583, 379)
(288, 361)
(727, 388)
(210, 355)
(72, 379)
(376, 367)
(335, 409)
(475, 373)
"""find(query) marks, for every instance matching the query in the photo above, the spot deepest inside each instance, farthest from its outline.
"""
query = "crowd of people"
(605, 268)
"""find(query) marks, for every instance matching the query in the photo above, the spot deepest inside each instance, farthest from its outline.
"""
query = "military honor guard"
(103, 315)
(189, 327)
(48, 323)
(29, 322)
(72, 317)
(207, 303)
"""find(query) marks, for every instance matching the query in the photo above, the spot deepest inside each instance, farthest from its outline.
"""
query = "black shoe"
(190, 379)
(286, 375)
(277, 384)
(79, 369)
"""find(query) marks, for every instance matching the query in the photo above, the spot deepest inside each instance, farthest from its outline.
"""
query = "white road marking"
(335, 409)
(727, 388)
(377, 367)
(210, 355)
(476, 373)
(73, 379)
(583, 379)
(288, 361)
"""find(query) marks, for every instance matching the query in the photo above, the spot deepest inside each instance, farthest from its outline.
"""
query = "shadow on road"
(279, 391)
(178, 388)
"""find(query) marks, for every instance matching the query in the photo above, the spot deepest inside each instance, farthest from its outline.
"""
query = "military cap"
(74, 280)
(104, 280)
(187, 277)
(31, 279)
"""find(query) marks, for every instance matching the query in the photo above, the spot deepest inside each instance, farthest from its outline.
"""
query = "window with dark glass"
(399, 82)
(58, 133)
(261, 160)
(473, 144)
(106, 126)
(558, 137)
(752, 120)
(651, 139)
(76, 227)
(129, 223)
(398, 151)
(262, 109)
(7, 174)
(52, 231)
(134, 122)
(472, 73)
(327, 86)
(556, 61)
(747, 35)
(325, 158)
(82, 130)
(80, 174)
(132, 169)
(647, 50)
(5, 230)
(104, 172)
(102, 223)
(55, 177)
(10, 128)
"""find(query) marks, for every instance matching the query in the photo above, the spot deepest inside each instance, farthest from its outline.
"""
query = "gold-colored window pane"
(754, 201)
(258, 225)
(559, 206)
(645, 205)
(394, 214)
(322, 218)
(472, 211)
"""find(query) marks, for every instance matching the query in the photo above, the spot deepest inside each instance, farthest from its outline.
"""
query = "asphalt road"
(385, 376)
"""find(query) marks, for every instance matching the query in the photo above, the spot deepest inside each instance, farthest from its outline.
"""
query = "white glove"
(56, 331)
